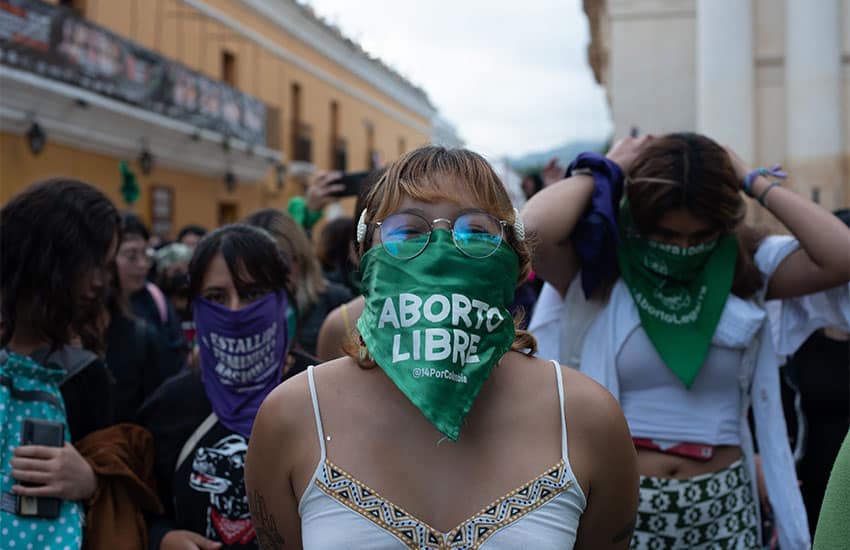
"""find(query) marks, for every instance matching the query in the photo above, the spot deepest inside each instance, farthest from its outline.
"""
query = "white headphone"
(361, 227)
(519, 227)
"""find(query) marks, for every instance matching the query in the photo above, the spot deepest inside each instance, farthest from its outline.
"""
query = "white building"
(771, 78)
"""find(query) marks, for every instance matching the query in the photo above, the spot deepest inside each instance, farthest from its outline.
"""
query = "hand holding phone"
(350, 184)
(321, 189)
(46, 433)
(49, 471)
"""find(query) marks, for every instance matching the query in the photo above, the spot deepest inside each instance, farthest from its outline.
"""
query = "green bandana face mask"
(438, 323)
(679, 292)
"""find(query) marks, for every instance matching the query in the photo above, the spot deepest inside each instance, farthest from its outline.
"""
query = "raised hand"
(552, 172)
(626, 150)
(320, 190)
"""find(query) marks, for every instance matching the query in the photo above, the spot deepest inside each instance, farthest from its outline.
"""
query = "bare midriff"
(657, 464)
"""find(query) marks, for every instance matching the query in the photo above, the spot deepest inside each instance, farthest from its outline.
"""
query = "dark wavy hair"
(51, 235)
(251, 254)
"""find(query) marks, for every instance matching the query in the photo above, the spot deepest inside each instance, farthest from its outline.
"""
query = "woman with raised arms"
(668, 312)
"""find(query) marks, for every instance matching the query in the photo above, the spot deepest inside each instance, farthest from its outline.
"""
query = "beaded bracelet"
(775, 171)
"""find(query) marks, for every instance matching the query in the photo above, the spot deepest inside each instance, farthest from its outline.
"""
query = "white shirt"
(790, 322)
(338, 511)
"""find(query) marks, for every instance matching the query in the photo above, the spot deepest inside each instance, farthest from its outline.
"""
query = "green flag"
(129, 186)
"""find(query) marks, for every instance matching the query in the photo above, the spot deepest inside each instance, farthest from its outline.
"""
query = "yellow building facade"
(326, 103)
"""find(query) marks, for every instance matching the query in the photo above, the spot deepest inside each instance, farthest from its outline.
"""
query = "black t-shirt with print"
(209, 490)
(172, 414)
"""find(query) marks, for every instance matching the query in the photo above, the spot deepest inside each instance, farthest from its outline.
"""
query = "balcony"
(92, 89)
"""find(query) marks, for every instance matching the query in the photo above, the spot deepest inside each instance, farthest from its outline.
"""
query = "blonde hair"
(296, 246)
(432, 174)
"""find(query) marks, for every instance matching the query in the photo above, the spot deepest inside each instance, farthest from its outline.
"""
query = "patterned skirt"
(710, 511)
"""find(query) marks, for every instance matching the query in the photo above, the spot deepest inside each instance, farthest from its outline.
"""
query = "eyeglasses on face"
(477, 234)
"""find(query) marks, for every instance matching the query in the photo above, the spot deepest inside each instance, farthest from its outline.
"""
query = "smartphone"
(49, 433)
(352, 182)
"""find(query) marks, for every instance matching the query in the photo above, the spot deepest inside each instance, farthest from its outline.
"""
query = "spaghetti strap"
(314, 396)
(560, 380)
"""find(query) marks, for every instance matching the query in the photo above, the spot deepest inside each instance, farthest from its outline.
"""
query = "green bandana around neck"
(438, 323)
(679, 292)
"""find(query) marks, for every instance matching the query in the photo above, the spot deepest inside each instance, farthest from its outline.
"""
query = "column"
(725, 74)
(813, 106)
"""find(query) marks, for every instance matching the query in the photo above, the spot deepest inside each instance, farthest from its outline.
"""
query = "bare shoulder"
(353, 308)
(334, 332)
(284, 430)
(334, 320)
(590, 408)
(601, 451)
(291, 402)
(583, 389)
(284, 412)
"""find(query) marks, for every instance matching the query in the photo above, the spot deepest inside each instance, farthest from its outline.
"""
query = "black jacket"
(139, 362)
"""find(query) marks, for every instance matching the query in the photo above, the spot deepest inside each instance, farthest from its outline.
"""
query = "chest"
(738, 327)
(442, 482)
(640, 367)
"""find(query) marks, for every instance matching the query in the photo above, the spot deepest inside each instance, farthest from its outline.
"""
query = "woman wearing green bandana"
(677, 331)
(440, 430)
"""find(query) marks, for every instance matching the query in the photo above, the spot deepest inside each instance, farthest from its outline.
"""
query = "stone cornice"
(86, 120)
(299, 22)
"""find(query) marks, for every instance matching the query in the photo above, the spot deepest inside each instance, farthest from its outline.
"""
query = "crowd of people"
(626, 363)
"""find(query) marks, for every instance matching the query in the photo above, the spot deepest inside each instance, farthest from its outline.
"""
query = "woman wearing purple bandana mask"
(202, 419)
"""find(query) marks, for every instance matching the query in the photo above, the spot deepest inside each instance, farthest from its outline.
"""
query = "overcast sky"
(511, 76)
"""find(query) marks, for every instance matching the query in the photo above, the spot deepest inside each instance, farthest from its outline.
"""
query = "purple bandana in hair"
(242, 356)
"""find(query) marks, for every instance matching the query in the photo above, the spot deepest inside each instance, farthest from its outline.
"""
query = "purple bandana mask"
(242, 356)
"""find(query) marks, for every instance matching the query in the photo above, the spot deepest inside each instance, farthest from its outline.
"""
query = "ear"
(519, 227)
(361, 227)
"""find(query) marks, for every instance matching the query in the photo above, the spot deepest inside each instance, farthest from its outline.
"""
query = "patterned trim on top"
(418, 535)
